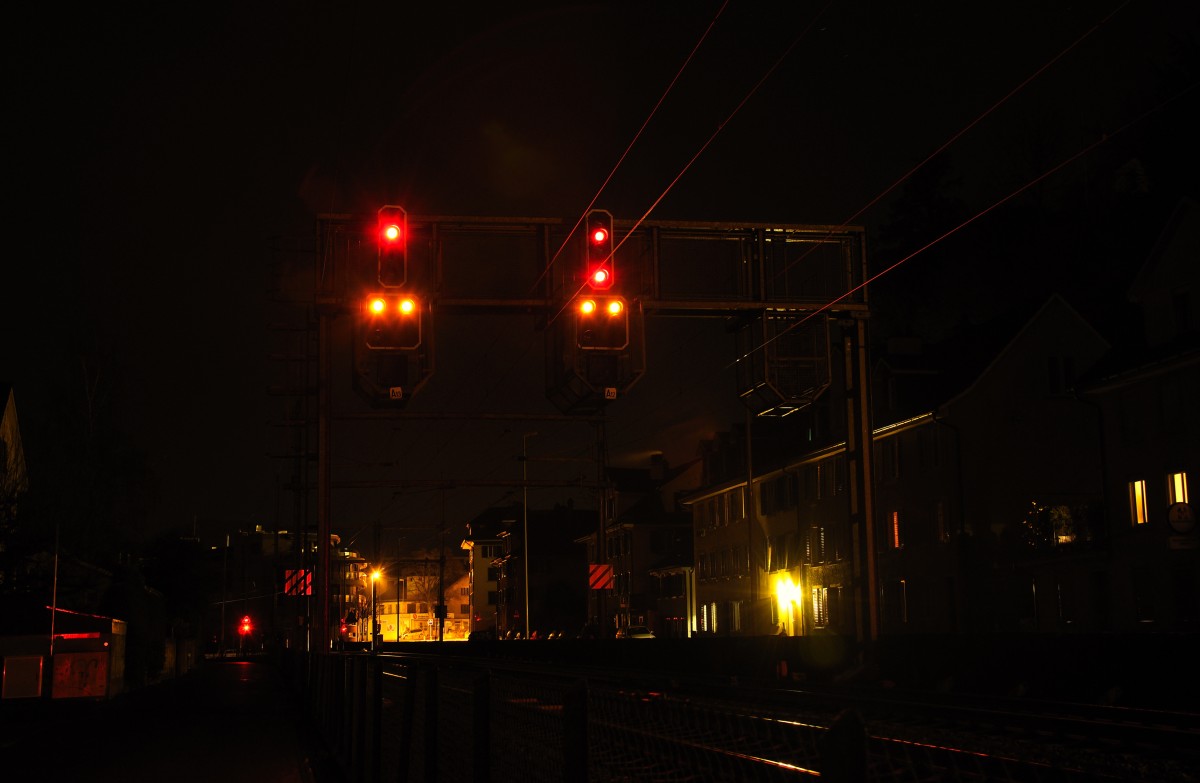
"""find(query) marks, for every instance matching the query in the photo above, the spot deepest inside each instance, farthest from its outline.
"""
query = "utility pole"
(602, 529)
(525, 517)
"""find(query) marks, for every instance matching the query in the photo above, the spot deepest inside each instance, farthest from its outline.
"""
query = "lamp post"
(525, 518)
(375, 574)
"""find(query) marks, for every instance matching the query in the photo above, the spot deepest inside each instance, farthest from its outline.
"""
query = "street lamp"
(375, 574)
(525, 518)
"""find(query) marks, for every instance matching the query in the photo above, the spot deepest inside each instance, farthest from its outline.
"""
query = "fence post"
(481, 734)
(407, 719)
(376, 719)
(575, 734)
(844, 749)
(431, 725)
(358, 726)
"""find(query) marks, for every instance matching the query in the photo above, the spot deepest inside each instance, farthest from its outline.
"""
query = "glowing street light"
(375, 576)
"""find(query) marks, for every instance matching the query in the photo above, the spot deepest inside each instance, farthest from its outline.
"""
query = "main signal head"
(391, 238)
(598, 249)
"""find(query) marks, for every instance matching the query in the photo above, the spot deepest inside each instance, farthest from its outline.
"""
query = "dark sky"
(168, 167)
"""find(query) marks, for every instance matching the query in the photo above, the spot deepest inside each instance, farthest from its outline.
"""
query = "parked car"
(635, 632)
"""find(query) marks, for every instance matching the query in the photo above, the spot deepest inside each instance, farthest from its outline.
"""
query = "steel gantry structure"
(793, 297)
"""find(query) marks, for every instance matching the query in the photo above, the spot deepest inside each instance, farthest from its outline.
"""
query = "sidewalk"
(228, 721)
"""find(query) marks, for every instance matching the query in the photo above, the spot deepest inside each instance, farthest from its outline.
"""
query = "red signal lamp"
(245, 627)
(598, 250)
(392, 233)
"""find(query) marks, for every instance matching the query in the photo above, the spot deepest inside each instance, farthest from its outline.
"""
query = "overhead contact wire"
(632, 142)
(957, 135)
(1103, 139)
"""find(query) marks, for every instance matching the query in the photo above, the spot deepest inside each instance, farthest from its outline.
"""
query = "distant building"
(645, 550)
(1027, 476)
(485, 544)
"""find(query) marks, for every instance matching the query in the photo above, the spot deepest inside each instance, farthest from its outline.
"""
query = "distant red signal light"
(245, 627)
(599, 235)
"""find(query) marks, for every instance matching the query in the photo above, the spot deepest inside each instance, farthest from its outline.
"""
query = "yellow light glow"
(587, 306)
(787, 593)
(376, 574)
(377, 305)
(407, 306)
(615, 307)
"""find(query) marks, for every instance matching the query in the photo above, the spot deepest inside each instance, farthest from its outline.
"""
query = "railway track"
(651, 728)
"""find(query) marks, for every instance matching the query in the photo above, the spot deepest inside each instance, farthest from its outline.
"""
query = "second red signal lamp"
(599, 249)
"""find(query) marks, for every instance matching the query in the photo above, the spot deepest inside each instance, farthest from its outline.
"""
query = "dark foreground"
(228, 721)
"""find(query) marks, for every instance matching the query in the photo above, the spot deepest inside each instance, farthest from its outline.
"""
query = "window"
(1177, 488)
(735, 615)
(816, 545)
(894, 539)
(820, 599)
(1138, 513)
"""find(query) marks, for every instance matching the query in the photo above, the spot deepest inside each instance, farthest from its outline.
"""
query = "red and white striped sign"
(600, 577)
(298, 581)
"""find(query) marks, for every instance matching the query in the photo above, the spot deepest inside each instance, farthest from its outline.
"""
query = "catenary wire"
(637, 135)
(632, 142)
(946, 144)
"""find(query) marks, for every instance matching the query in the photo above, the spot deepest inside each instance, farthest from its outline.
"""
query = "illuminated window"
(1138, 513)
(1177, 488)
(820, 599)
(894, 531)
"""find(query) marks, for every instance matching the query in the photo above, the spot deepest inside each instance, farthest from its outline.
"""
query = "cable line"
(1103, 139)
(632, 142)
(958, 135)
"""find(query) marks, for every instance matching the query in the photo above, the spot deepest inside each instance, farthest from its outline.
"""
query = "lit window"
(895, 530)
(1138, 513)
(820, 599)
(1177, 488)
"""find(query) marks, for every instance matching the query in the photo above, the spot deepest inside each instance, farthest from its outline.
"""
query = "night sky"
(166, 172)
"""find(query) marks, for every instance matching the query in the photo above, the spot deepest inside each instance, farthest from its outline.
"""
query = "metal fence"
(431, 718)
